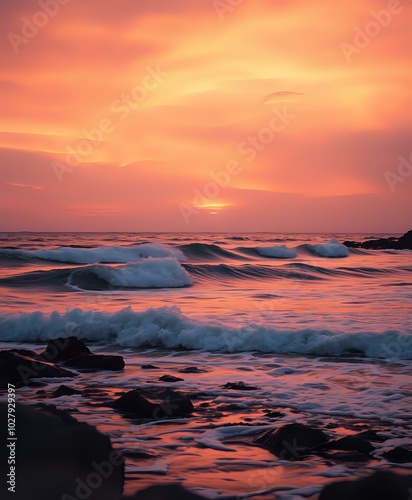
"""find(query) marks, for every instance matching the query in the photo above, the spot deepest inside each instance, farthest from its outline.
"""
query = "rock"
(400, 455)
(165, 492)
(371, 435)
(170, 378)
(96, 362)
(74, 353)
(58, 457)
(274, 414)
(62, 349)
(380, 486)
(350, 443)
(149, 367)
(63, 390)
(191, 369)
(402, 243)
(405, 241)
(346, 456)
(175, 404)
(171, 404)
(18, 366)
(239, 386)
(292, 441)
(133, 402)
(138, 455)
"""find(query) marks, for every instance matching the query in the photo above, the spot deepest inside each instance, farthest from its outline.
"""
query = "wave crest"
(278, 251)
(108, 254)
(149, 273)
(168, 328)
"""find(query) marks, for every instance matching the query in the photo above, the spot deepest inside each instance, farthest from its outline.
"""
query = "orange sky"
(231, 115)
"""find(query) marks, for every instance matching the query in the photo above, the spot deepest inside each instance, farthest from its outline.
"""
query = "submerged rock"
(292, 441)
(58, 457)
(380, 486)
(19, 366)
(350, 443)
(170, 404)
(239, 386)
(64, 390)
(371, 435)
(400, 455)
(170, 378)
(191, 369)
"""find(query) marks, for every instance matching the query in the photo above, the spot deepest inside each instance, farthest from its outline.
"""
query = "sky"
(206, 115)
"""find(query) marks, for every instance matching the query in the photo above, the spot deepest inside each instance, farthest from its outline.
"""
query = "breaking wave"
(168, 328)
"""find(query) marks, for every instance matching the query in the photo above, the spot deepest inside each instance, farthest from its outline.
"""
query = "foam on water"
(167, 327)
(332, 249)
(278, 251)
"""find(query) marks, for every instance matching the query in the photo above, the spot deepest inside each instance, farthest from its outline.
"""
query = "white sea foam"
(109, 254)
(148, 273)
(277, 251)
(332, 249)
(167, 327)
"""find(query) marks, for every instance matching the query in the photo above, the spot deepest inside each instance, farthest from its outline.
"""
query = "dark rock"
(191, 369)
(371, 435)
(96, 362)
(74, 353)
(64, 348)
(170, 378)
(64, 390)
(149, 367)
(165, 492)
(56, 455)
(198, 395)
(405, 241)
(138, 455)
(274, 414)
(346, 456)
(239, 386)
(19, 366)
(402, 243)
(171, 404)
(135, 403)
(350, 443)
(380, 486)
(400, 455)
(174, 404)
(292, 441)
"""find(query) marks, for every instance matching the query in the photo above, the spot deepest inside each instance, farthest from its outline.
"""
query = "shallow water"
(326, 340)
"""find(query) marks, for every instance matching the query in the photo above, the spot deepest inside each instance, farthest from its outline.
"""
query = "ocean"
(321, 331)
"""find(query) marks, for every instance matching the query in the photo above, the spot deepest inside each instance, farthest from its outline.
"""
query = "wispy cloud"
(25, 186)
(282, 96)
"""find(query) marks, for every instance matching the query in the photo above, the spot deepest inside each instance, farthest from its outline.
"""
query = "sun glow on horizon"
(263, 103)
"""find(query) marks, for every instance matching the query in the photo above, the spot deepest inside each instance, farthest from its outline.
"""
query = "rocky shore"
(402, 243)
(60, 457)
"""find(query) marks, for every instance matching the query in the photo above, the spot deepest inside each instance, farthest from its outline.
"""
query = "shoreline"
(202, 438)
